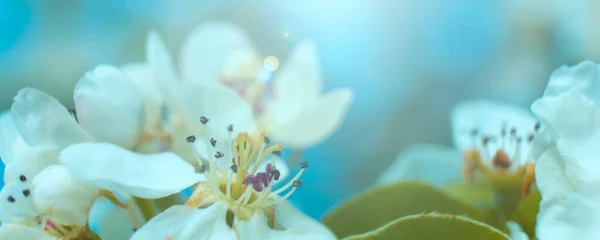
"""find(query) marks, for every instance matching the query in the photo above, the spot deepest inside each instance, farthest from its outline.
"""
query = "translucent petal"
(584, 77)
(116, 169)
(109, 106)
(433, 164)
(293, 219)
(18, 232)
(65, 198)
(574, 119)
(211, 49)
(516, 232)
(16, 201)
(161, 64)
(300, 78)
(143, 77)
(11, 142)
(576, 217)
(187, 223)
(256, 229)
(552, 178)
(43, 121)
(312, 123)
(29, 163)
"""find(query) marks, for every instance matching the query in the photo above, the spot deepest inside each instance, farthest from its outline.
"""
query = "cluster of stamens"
(483, 156)
(243, 184)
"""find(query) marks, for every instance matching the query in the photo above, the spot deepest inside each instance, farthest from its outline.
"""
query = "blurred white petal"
(584, 77)
(11, 142)
(300, 78)
(433, 164)
(18, 232)
(43, 121)
(294, 220)
(574, 119)
(65, 198)
(109, 106)
(211, 49)
(576, 217)
(116, 169)
(162, 66)
(516, 232)
(311, 123)
(187, 223)
(143, 77)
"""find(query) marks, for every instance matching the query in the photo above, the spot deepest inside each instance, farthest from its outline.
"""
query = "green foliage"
(382, 205)
(433, 226)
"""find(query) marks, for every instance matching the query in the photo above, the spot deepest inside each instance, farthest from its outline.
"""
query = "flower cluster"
(141, 132)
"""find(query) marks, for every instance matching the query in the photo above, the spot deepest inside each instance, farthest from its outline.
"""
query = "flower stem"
(146, 207)
(168, 201)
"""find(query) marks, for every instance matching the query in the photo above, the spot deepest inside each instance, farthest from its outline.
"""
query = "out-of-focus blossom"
(289, 104)
(567, 169)
(494, 138)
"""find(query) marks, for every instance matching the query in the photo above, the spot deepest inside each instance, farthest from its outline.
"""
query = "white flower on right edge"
(568, 171)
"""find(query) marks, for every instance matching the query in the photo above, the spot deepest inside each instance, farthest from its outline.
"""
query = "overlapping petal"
(16, 202)
(11, 142)
(311, 123)
(433, 164)
(16, 231)
(143, 175)
(43, 121)
(187, 223)
(211, 49)
(29, 163)
(109, 106)
(584, 77)
(65, 198)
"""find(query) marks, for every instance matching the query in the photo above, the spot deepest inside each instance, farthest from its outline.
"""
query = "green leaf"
(433, 226)
(527, 212)
(384, 204)
(479, 193)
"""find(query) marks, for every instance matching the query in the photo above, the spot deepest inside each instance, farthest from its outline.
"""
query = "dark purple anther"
(275, 174)
(264, 178)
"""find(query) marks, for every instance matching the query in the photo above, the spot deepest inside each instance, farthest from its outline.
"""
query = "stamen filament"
(266, 153)
(288, 185)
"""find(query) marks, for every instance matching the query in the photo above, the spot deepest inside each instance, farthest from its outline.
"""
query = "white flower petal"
(552, 178)
(221, 105)
(65, 198)
(574, 119)
(211, 49)
(516, 232)
(22, 206)
(161, 63)
(312, 123)
(433, 164)
(110, 222)
(43, 121)
(187, 223)
(293, 219)
(19, 232)
(576, 217)
(11, 142)
(300, 78)
(109, 106)
(584, 76)
(256, 229)
(489, 118)
(29, 163)
(116, 169)
(143, 76)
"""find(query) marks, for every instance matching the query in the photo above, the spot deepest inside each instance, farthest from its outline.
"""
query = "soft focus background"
(407, 61)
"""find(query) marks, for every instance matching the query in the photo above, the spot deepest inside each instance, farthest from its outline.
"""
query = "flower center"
(252, 82)
(245, 181)
(495, 158)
